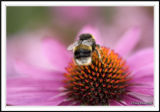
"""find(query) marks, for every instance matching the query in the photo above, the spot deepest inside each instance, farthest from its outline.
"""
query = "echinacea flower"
(122, 78)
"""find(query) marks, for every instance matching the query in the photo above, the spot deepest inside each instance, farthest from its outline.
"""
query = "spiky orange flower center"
(99, 82)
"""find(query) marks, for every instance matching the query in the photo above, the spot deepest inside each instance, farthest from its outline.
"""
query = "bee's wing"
(87, 42)
(70, 47)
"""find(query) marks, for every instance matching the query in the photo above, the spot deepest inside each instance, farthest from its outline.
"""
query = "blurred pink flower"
(41, 86)
(23, 46)
(72, 15)
(127, 17)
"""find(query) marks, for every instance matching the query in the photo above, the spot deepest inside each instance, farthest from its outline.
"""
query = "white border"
(82, 108)
(156, 55)
(81, 3)
(3, 62)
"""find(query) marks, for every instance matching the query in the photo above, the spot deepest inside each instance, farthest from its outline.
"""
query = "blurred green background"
(19, 18)
(24, 18)
(65, 22)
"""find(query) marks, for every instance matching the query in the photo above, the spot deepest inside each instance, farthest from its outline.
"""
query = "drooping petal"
(26, 91)
(128, 41)
(34, 99)
(141, 89)
(131, 101)
(56, 53)
(28, 84)
(142, 80)
(27, 46)
(143, 76)
(69, 103)
(91, 30)
(38, 73)
(115, 103)
(141, 58)
(142, 68)
(66, 103)
(145, 99)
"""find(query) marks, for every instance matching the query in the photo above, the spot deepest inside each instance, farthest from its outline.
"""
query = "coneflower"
(116, 80)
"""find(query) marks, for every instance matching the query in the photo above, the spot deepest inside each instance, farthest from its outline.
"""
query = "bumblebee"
(83, 49)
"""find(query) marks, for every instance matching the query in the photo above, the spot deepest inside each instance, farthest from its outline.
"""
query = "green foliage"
(19, 18)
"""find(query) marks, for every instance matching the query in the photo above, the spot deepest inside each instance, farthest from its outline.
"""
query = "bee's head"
(85, 36)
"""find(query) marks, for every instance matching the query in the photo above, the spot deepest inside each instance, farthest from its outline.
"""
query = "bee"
(83, 49)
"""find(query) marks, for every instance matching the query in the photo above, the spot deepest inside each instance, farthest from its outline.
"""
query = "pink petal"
(65, 103)
(141, 58)
(131, 101)
(27, 47)
(147, 99)
(142, 80)
(128, 41)
(29, 84)
(141, 89)
(143, 76)
(56, 53)
(26, 91)
(93, 31)
(115, 103)
(35, 99)
(146, 81)
(68, 103)
(38, 73)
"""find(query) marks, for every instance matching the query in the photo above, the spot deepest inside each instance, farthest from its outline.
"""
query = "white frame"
(82, 108)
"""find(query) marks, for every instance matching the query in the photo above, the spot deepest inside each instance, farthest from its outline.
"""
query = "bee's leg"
(98, 46)
(99, 55)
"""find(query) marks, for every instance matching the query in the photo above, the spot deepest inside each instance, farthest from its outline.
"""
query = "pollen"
(103, 80)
